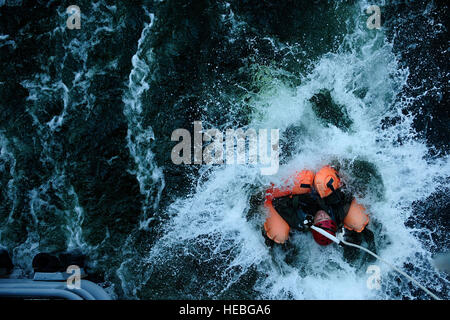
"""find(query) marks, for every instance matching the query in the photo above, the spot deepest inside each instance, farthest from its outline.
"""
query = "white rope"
(393, 267)
(339, 241)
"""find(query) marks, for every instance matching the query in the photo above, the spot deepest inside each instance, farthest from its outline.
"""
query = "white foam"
(219, 205)
(147, 172)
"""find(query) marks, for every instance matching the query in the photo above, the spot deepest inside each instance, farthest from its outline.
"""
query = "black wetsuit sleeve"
(285, 208)
(308, 204)
(337, 205)
(295, 209)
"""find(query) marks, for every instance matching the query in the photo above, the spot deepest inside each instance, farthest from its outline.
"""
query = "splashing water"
(94, 171)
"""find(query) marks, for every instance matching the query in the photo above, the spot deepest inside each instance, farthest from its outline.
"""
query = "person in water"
(319, 200)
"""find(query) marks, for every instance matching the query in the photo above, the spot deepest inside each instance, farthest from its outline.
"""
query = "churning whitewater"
(86, 128)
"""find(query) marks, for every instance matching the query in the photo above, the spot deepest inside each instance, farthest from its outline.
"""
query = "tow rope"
(343, 242)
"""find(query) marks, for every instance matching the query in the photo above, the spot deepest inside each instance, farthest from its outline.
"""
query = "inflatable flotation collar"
(326, 181)
(275, 226)
(303, 182)
(357, 218)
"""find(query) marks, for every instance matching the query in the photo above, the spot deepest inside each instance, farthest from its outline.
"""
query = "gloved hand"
(308, 222)
(304, 224)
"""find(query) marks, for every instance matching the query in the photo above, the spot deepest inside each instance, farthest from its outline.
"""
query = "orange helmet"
(326, 181)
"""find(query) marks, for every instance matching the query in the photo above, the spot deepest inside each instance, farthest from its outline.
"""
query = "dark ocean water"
(87, 116)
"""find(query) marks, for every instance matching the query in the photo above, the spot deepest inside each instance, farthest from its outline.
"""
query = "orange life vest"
(276, 228)
(357, 218)
(326, 181)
